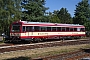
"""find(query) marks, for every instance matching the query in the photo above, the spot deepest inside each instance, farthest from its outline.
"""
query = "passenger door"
(29, 30)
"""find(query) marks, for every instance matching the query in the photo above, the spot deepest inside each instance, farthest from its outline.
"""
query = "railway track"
(12, 44)
(4, 48)
(10, 47)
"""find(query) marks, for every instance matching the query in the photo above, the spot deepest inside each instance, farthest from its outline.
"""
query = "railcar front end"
(15, 31)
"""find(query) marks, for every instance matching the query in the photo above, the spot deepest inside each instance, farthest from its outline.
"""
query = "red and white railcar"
(31, 31)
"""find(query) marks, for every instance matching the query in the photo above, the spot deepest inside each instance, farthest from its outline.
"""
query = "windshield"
(15, 28)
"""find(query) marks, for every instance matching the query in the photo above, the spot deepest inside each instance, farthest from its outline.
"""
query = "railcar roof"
(47, 23)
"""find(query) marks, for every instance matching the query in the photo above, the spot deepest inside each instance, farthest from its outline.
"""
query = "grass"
(61, 50)
(54, 52)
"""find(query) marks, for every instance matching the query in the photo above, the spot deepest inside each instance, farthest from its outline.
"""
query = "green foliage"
(61, 16)
(64, 16)
(53, 17)
(87, 25)
(82, 14)
(34, 10)
(10, 10)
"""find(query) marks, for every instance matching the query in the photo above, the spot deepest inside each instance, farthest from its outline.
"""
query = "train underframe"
(18, 39)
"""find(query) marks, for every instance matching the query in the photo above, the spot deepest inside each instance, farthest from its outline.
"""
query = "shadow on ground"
(19, 58)
(87, 50)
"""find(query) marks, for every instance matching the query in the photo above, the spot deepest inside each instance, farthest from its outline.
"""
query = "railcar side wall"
(30, 30)
(47, 34)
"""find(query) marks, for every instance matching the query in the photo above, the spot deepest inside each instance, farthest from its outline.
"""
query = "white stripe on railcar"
(50, 33)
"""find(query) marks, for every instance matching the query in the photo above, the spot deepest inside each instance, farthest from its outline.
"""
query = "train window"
(48, 28)
(43, 28)
(75, 29)
(15, 28)
(71, 29)
(67, 29)
(29, 28)
(63, 28)
(53, 28)
(58, 28)
(24, 28)
(36, 28)
(82, 29)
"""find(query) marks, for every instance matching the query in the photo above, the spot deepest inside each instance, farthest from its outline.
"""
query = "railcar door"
(29, 30)
(25, 34)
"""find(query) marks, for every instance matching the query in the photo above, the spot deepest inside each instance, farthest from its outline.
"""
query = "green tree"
(87, 25)
(34, 10)
(54, 18)
(49, 14)
(82, 12)
(64, 16)
(10, 10)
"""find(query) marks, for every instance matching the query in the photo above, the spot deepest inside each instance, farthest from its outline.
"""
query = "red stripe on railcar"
(50, 36)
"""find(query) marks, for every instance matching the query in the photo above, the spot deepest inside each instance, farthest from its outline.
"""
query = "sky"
(58, 4)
